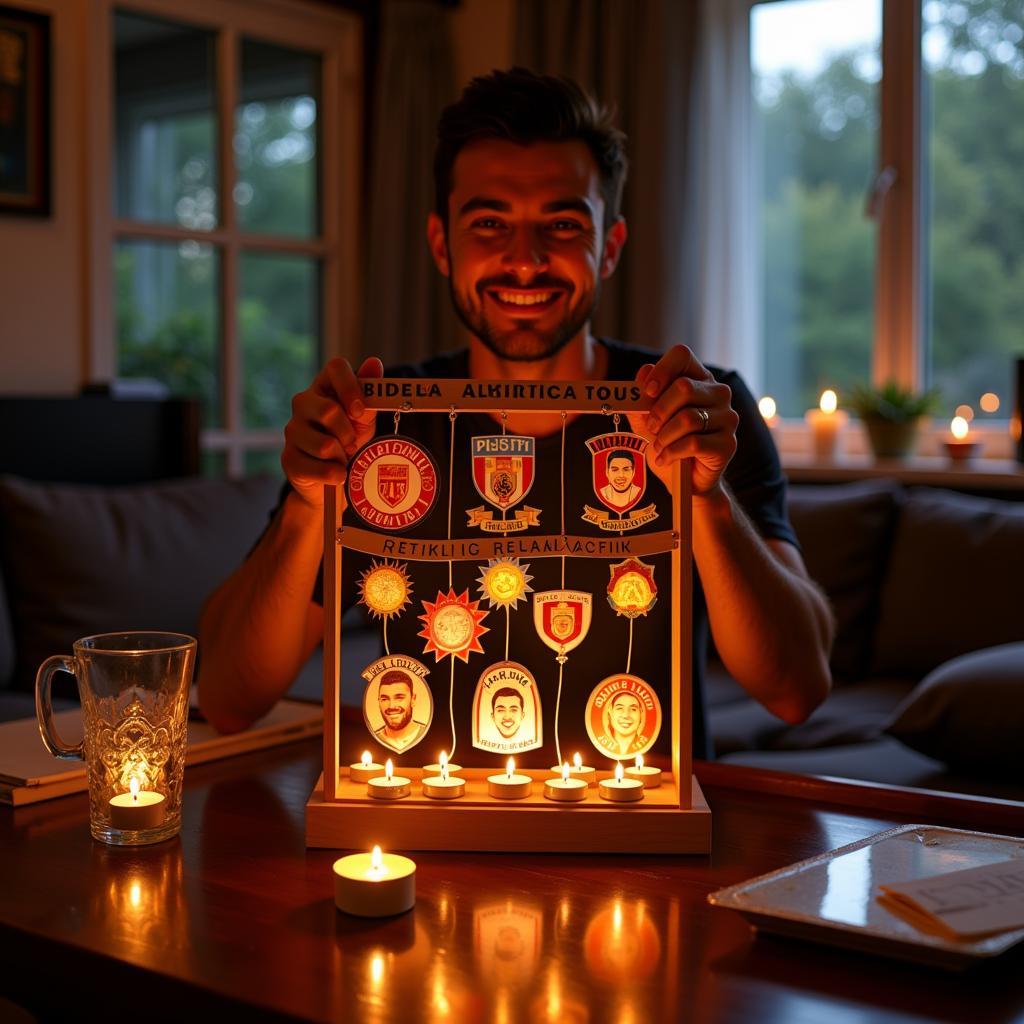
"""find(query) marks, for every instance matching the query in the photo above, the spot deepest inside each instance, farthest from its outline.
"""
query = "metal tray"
(832, 898)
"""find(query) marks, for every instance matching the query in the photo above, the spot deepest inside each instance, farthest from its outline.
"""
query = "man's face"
(626, 715)
(620, 474)
(508, 715)
(395, 701)
(525, 245)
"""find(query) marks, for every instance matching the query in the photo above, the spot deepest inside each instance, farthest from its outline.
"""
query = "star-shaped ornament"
(385, 588)
(504, 582)
(452, 625)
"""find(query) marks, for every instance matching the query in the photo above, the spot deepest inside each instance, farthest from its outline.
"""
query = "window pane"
(278, 322)
(276, 141)
(974, 63)
(164, 126)
(264, 463)
(166, 296)
(816, 65)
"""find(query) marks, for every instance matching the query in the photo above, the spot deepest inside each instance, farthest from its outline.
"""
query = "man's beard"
(524, 344)
(400, 723)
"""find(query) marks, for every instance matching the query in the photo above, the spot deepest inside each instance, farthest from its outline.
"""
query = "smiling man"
(529, 173)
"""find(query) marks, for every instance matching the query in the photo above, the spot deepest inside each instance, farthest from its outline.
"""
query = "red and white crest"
(503, 468)
(562, 618)
(392, 483)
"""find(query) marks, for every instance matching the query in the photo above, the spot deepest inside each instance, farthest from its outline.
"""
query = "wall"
(482, 37)
(42, 261)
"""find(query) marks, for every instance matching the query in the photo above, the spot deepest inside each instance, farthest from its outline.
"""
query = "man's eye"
(566, 225)
(487, 223)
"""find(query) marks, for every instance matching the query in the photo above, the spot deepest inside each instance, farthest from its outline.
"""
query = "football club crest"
(623, 716)
(619, 471)
(631, 589)
(562, 619)
(452, 626)
(503, 473)
(392, 483)
(397, 704)
(506, 710)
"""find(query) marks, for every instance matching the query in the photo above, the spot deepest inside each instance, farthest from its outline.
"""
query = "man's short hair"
(507, 691)
(395, 676)
(622, 453)
(521, 106)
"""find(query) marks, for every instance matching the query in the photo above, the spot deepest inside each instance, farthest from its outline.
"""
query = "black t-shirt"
(754, 476)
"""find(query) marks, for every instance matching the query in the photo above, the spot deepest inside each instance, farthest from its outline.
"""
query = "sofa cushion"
(953, 581)
(969, 712)
(845, 532)
(79, 560)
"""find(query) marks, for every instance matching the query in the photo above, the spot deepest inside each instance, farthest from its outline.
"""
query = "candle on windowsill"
(577, 770)
(388, 786)
(509, 786)
(959, 446)
(374, 884)
(565, 789)
(366, 769)
(769, 411)
(443, 786)
(826, 423)
(647, 774)
(138, 808)
(620, 789)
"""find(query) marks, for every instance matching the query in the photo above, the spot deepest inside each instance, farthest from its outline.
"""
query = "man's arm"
(771, 624)
(259, 627)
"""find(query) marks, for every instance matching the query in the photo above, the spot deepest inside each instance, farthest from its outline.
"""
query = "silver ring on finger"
(705, 420)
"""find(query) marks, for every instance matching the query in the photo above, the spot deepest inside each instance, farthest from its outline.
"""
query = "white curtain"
(724, 212)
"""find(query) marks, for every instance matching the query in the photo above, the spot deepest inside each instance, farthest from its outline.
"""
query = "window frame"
(336, 37)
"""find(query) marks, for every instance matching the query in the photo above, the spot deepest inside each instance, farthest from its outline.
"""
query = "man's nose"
(525, 256)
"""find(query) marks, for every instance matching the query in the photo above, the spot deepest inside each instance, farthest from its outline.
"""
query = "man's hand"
(329, 425)
(692, 416)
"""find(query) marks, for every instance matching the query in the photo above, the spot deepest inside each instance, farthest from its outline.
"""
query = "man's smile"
(524, 300)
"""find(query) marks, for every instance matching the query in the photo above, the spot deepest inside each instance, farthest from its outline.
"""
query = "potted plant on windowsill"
(891, 416)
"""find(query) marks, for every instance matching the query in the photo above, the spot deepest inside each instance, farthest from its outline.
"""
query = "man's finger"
(346, 387)
(678, 361)
(369, 369)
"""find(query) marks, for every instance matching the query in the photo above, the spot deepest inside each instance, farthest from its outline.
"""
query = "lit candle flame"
(639, 760)
(376, 859)
(511, 766)
(767, 407)
(618, 771)
(389, 769)
(442, 760)
(577, 761)
(958, 427)
(444, 770)
(366, 759)
(829, 402)
(133, 785)
(565, 772)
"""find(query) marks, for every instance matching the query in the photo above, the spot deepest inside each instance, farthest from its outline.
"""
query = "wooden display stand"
(673, 818)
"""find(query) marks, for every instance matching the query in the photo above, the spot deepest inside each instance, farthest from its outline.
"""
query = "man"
(527, 224)
(507, 709)
(620, 493)
(623, 724)
(396, 702)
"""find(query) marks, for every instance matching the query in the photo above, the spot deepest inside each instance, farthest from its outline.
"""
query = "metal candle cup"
(620, 789)
(509, 786)
(565, 789)
(365, 770)
(374, 884)
(388, 786)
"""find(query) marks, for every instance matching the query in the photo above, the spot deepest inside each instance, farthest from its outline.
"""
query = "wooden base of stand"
(477, 821)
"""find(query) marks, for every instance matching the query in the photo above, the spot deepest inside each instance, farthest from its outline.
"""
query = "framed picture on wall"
(24, 112)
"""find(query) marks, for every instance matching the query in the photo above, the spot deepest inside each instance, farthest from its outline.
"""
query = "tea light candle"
(565, 789)
(648, 775)
(137, 809)
(388, 786)
(374, 884)
(509, 786)
(620, 789)
(442, 764)
(578, 770)
(444, 786)
(959, 447)
(366, 769)
(826, 422)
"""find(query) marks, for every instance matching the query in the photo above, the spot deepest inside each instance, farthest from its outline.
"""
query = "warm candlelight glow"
(768, 407)
(366, 759)
(965, 411)
(618, 771)
(989, 402)
(829, 402)
(133, 785)
(444, 769)
(442, 760)
(511, 766)
(958, 427)
(577, 761)
(376, 968)
(389, 769)
(565, 771)
(639, 760)
(376, 859)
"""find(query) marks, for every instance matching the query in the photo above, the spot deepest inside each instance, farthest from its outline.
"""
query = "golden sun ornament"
(504, 582)
(452, 625)
(385, 588)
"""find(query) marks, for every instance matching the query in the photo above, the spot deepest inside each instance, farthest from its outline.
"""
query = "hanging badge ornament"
(392, 483)
(562, 619)
(631, 589)
(397, 705)
(619, 469)
(506, 710)
(384, 588)
(623, 716)
(503, 471)
(452, 626)
(504, 582)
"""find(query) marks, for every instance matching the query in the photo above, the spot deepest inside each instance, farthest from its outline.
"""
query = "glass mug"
(134, 689)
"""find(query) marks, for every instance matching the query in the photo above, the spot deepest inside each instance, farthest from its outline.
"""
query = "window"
(222, 246)
(916, 275)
